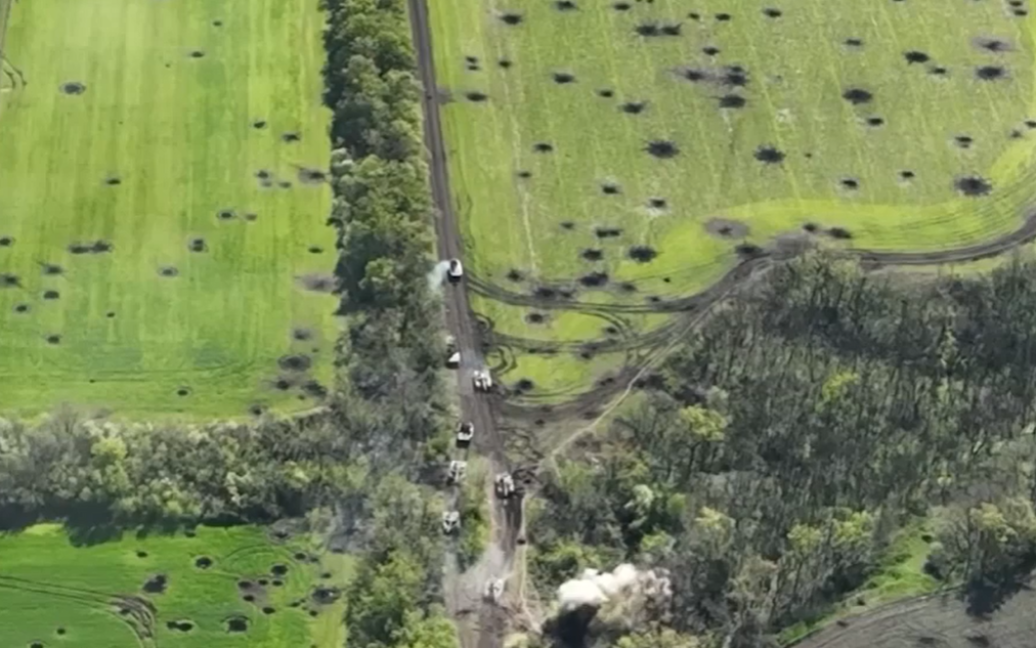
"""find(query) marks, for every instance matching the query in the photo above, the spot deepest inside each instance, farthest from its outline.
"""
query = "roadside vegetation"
(779, 463)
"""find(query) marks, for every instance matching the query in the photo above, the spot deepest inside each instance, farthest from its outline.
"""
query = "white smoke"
(437, 276)
(596, 588)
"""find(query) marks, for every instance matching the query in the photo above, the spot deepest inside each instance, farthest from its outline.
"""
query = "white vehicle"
(452, 353)
(482, 380)
(458, 470)
(504, 485)
(450, 521)
(465, 432)
(455, 271)
(494, 588)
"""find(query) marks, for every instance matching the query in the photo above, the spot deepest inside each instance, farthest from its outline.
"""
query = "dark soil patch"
(168, 271)
(994, 45)
(318, 282)
(963, 141)
(203, 562)
(633, 107)
(563, 77)
(73, 88)
(515, 275)
(973, 186)
(237, 624)
(732, 101)
(592, 254)
(511, 19)
(610, 189)
(312, 176)
(662, 149)
(874, 122)
(915, 56)
(769, 155)
(259, 124)
(51, 294)
(157, 584)
(857, 96)
(290, 137)
(726, 228)
(535, 318)
(770, 12)
(990, 72)
(180, 626)
(642, 253)
(476, 96)
(851, 184)
(607, 232)
(53, 339)
(542, 147)
(594, 279)
(197, 245)
(294, 362)
(279, 570)
(839, 233)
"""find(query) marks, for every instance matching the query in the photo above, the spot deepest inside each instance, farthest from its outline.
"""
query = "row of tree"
(798, 431)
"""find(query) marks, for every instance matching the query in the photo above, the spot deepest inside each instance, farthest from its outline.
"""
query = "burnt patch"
(607, 232)
(916, 56)
(642, 253)
(662, 149)
(515, 275)
(476, 96)
(857, 96)
(203, 562)
(726, 228)
(236, 624)
(990, 72)
(542, 147)
(512, 19)
(157, 584)
(180, 626)
(563, 77)
(592, 254)
(732, 101)
(73, 88)
(594, 279)
(295, 362)
(769, 155)
(973, 186)
(633, 107)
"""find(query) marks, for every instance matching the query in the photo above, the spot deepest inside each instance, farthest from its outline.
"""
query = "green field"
(57, 594)
(203, 276)
(768, 137)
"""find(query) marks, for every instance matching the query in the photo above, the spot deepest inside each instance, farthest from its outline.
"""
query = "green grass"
(46, 583)
(177, 131)
(798, 67)
(900, 575)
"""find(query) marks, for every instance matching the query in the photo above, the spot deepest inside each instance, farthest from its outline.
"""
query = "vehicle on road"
(504, 485)
(450, 521)
(457, 471)
(465, 432)
(452, 352)
(454, 271)
(482, 380)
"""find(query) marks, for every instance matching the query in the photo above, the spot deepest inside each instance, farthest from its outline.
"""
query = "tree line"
(786, 442)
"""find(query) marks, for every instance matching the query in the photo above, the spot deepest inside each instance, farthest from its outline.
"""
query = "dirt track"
(939, 621)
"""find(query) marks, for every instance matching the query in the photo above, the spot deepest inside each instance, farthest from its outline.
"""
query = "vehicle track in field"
(512, 421)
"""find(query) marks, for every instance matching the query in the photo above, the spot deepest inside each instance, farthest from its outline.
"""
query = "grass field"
(55, 594)
(646, 140)
(145, 264)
